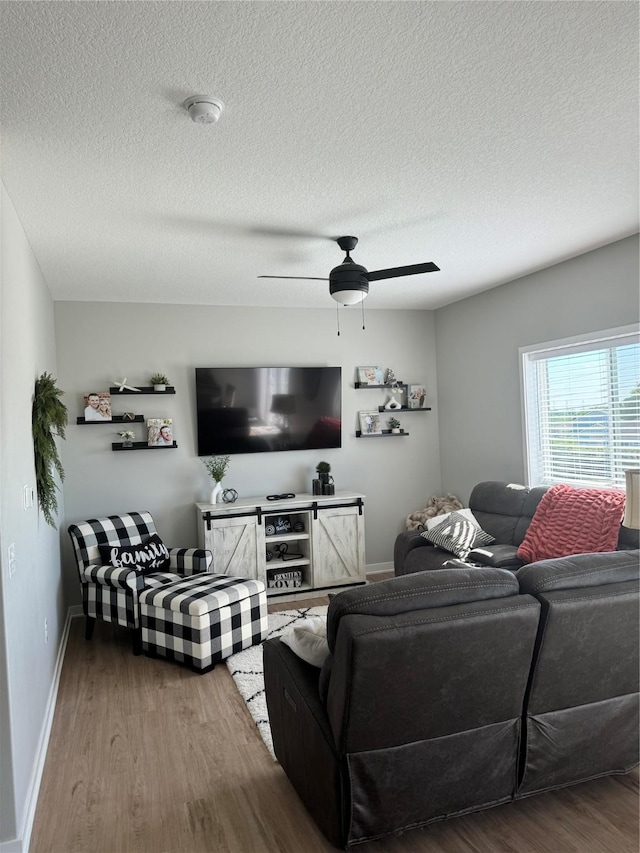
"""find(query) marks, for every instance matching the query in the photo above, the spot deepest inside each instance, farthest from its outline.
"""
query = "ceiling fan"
(349, 282)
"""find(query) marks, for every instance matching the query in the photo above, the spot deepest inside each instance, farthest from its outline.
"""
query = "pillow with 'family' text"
(149, 556)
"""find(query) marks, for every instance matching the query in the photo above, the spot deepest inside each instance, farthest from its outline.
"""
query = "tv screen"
(265, 409)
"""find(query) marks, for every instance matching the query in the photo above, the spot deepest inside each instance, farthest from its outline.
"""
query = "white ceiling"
(493, 138)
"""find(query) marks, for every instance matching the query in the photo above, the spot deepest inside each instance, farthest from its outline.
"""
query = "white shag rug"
(247, 672)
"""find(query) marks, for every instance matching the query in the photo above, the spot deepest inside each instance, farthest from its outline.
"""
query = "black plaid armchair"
(111, 594)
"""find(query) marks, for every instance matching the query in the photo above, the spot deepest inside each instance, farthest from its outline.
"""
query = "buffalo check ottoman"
(203, 619)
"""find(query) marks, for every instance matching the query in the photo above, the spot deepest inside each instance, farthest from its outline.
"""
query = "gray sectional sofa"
(451, 691)
(502, 509)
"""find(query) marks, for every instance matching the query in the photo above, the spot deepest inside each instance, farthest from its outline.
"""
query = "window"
(581, 400)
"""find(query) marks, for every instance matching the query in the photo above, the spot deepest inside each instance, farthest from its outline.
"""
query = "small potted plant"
(323, 469)
(127, 436)
(394, 425)
(217, 468)
(159, 382)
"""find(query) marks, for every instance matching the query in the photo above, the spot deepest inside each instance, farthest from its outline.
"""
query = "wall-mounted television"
(265, 409)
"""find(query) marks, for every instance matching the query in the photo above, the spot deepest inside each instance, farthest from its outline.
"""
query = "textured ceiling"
(494, 138)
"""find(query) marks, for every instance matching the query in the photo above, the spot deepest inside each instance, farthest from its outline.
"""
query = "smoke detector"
(204, 109)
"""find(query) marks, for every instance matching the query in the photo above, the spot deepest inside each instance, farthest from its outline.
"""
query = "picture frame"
(370, 422)
(372, 375)
(160, 432)
(97, 406)
(417, 397)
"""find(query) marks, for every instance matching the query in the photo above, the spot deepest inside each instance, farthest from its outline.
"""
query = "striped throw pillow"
(457, 535)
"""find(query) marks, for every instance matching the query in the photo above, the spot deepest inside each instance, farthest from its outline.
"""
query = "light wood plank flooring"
(148, 757)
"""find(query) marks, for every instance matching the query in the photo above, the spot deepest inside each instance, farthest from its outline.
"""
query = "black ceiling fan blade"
(395, 272)
(268, 231)
(296, 277)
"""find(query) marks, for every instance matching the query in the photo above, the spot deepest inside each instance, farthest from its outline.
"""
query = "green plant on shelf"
(393, 423)
(127, 435)
(216, 466)
(159, 379)
(323, 468)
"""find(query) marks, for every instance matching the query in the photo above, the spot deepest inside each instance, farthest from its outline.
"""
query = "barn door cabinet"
(295, 546)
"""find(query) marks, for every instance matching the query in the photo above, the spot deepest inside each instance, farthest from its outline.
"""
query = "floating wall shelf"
(144, 389)
(116, 419)
(386, 433)
(142, 445)
(404, 409)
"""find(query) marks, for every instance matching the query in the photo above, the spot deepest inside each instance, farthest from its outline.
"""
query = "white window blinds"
(582, 410)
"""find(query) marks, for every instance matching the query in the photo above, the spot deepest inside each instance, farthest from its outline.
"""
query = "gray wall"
(477, 342)
(34, 592)
(98, 343)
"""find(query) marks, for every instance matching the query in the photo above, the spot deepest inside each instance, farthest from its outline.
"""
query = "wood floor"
(146, 756)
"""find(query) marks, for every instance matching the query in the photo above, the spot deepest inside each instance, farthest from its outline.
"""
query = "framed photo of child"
(160, 432)
(370, 376)
(370, 423)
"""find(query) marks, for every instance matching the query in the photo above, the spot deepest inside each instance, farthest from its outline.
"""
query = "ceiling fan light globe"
(349, 297)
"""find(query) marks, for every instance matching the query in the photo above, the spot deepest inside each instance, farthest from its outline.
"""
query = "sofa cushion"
(420, 591)
(579, 571)
(573, 521)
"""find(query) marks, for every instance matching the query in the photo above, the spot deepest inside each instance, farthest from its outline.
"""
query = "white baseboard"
(21, 844)
(378, 568)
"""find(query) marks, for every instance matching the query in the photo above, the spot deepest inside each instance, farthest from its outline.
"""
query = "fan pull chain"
(338, 317)
(362, 303)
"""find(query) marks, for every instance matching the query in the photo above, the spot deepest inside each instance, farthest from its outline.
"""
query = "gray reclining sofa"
(451, 691)
(505, 511)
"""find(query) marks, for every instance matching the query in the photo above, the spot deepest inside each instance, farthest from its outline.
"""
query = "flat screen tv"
(265, 409)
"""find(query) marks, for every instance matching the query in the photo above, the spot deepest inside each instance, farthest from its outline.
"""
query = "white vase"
(159, 387)
(216, 493)
(393, 404)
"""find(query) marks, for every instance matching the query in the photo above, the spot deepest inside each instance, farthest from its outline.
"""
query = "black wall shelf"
(142, 445)
(386, 433)
(116, 419)
(404, 409)
(144, 389)
(360, 385)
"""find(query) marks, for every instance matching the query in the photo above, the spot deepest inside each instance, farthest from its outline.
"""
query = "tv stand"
(324, 534)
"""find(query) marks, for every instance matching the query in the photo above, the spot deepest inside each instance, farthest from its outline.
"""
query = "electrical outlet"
(28, 497)
(46, 630)
(11, 559)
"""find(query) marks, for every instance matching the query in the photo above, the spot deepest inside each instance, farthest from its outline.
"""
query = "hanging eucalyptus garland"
(48, 419)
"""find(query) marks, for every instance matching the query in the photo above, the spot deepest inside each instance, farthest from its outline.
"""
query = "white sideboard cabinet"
(295, 545)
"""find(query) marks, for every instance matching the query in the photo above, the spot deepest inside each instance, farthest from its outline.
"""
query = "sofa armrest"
(189, 561)
(302, 737)
(498, 556)
(405, 543)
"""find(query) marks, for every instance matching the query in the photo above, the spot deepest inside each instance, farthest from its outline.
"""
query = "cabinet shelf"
(283, 590)
(286, 537)
(144, 389)
(116, 419)
(280, 564)
(142, 445)
(386, 433)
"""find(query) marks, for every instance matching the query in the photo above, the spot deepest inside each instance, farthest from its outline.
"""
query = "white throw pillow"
(308, 640)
